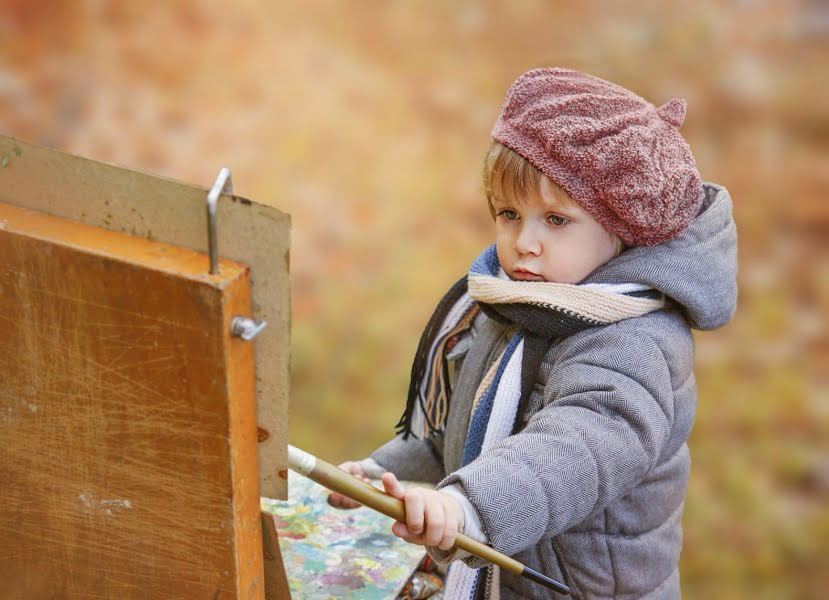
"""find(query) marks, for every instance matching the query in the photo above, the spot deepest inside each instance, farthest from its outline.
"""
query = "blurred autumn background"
(367, 122)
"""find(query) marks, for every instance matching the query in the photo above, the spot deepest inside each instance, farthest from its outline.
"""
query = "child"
(553, 389)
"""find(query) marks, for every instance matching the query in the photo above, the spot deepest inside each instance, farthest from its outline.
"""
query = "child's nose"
(528, 240)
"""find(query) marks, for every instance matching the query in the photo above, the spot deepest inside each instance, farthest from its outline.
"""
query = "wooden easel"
(143, 407)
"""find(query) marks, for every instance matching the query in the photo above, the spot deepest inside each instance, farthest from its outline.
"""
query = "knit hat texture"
(619, 156)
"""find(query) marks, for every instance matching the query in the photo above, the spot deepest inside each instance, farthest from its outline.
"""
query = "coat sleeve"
(607, 415)
(414, 459)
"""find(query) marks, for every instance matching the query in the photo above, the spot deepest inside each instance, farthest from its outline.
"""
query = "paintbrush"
(338, 480)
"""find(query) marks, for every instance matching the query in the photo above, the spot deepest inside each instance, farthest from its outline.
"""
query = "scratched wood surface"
(127, 418)
(162, 209)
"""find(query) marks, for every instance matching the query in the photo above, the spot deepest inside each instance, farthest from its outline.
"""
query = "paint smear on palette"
(334, 553)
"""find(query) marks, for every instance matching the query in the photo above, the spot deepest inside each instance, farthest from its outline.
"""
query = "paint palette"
(335, 553)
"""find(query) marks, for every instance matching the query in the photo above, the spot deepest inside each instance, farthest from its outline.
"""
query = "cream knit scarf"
(541, 312)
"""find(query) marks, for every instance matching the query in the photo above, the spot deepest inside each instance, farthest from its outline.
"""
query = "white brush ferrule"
(300, 461)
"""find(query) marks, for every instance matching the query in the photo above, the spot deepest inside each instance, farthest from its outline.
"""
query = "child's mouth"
(526, 275)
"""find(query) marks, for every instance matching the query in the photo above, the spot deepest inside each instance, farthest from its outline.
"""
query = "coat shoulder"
(667, 329)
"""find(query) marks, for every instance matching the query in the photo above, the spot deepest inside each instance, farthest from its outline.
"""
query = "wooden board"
(127, 418)
(162, 209)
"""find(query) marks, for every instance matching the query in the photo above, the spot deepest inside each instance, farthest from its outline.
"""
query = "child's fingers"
(352, 467)
(435, 520)
(402, 531)
(392, 485)
(415, 510)
(340, 501)
(447, 541)
(450, 532)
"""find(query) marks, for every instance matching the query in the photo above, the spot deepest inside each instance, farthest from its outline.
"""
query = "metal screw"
(246, 328)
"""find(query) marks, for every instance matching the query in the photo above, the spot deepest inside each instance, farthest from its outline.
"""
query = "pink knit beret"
(614, 152)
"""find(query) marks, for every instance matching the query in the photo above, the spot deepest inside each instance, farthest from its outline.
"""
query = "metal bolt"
(246, 328)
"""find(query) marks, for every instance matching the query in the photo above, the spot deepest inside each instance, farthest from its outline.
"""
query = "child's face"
(551, 238)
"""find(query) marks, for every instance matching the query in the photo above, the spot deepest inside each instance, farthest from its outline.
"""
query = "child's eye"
(508, 214)
(557, 220)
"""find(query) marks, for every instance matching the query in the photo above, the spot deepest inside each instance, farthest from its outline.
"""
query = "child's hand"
(432, 517)
(340, 501)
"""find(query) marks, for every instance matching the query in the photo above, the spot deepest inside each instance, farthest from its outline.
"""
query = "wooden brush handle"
(338, 480)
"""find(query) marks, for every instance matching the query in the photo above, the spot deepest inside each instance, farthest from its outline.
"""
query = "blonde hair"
(507, 174)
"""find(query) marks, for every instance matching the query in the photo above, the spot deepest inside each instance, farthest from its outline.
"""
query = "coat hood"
(698, 269)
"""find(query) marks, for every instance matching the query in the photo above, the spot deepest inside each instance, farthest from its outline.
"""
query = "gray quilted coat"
(591, 490)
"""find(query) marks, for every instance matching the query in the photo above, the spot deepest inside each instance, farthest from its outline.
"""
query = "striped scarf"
(539, 311)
